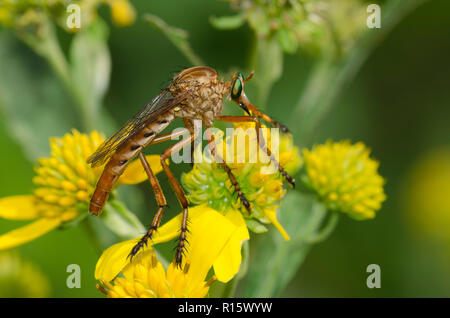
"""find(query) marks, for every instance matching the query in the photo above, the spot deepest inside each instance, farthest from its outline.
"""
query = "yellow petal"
(228, 262)
(19, 207)
(171, 229)
(114, 258)
(272, 216)
(28, 232)
(135, 173)
(208, 236)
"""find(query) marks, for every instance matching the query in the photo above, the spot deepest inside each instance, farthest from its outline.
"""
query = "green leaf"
(90, 70)
(178, 37)
(227, 22)
(276, 261)
(255, 226)
(34, 103)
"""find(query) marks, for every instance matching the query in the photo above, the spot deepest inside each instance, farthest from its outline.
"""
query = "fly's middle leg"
(181, 247)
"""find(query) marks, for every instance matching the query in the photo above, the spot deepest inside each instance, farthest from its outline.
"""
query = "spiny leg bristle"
(143, 241)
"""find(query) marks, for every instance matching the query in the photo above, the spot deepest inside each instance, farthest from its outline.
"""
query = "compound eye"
(236, 89)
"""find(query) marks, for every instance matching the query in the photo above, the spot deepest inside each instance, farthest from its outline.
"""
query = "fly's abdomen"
(120, 160)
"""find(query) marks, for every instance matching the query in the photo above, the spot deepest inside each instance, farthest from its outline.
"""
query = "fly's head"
(237, 92)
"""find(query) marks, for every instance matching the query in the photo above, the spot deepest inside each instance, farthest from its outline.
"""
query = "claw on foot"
(135, 250)
(143, 241)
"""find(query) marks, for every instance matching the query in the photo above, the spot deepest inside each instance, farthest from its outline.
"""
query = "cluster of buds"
(323, 27)
(30, 16)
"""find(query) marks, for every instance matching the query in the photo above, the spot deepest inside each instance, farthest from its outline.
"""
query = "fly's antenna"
(249, 77)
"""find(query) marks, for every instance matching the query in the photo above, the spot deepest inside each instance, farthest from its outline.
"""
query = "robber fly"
(194, 94)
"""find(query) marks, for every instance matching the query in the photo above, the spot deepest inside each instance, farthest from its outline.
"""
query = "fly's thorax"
(204, 91)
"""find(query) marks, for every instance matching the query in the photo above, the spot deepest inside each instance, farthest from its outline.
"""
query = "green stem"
(121, 221)
(267, 61)
(325, 232)
(47, 46)
(273, 286)
(178, 37)
(92, 234)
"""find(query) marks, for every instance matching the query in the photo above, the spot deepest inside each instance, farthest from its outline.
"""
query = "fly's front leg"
(179, 193)
(190, 127)
(261, 142)
(269, 120)
(220, 161)
(160, 199)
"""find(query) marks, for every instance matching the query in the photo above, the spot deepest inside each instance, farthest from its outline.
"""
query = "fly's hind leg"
(160, 199)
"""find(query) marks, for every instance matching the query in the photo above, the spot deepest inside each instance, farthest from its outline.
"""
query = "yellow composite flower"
(20, 278)
(20, 14)
(122, 12)
(425, 195)
(207, 183)
(64, 184)
(214, 241)
(345, 178)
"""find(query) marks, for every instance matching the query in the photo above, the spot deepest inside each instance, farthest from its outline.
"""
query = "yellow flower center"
(65, 181)
(145, 277)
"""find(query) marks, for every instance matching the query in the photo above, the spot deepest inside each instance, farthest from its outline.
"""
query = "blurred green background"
(398, 105)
